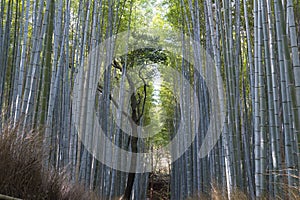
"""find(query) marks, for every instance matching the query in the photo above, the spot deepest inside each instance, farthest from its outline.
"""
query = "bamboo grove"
(254, 44)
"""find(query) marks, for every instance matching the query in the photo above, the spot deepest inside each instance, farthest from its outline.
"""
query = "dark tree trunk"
(134, 141)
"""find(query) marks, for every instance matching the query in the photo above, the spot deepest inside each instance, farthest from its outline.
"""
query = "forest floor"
(159, 186)
(159, 180)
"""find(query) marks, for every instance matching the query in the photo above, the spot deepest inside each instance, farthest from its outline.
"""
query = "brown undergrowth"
(21, 170)
(218, 193)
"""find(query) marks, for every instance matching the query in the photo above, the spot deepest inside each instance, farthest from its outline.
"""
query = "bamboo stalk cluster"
(259, 59)
(43, 44)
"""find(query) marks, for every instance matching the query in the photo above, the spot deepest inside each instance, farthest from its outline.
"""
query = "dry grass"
(217, 193)
(22, 175)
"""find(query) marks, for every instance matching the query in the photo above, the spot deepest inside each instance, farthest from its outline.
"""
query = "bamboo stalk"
(4, 197)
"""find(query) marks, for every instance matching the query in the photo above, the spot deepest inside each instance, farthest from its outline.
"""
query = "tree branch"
(100, 89)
